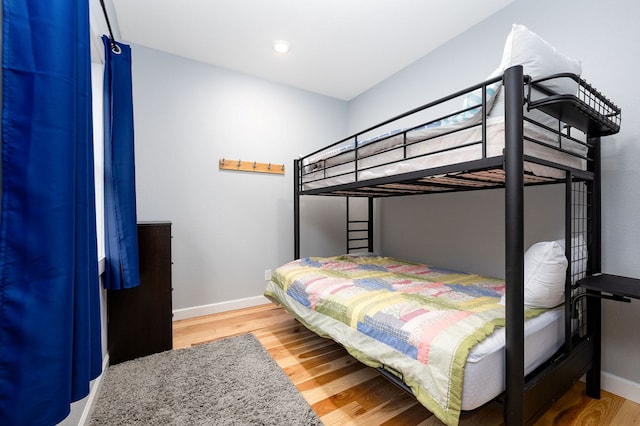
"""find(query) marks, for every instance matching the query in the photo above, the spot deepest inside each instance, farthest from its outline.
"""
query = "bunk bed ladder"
(360, 231)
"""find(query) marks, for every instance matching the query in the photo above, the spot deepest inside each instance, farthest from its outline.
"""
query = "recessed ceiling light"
(281, 46)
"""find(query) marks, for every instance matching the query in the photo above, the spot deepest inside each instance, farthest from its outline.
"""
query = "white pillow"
(475, 97)
(545, 267)
(539, 59)
(472, 98)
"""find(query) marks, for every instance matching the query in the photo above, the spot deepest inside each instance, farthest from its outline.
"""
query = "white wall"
(228, 227)
(604, 36)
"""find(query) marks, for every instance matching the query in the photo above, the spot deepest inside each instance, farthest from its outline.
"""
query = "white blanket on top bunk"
(439, 146)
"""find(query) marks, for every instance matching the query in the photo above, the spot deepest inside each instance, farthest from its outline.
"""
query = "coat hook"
(254, 164)
(269, 166)
(222, 161)
(239, 163)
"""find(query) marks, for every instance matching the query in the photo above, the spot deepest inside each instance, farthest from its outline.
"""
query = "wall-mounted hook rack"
(251, 166)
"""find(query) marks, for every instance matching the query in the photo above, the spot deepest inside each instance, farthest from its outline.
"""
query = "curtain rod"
(114, 47)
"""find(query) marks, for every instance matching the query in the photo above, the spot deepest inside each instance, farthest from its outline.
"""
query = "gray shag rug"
(233, 381)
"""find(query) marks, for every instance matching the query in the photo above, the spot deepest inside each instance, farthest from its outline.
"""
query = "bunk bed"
(512, 130)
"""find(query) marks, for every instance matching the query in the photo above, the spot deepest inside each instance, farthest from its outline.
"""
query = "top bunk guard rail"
(338, 169)
(432, 104)
(402, 147)
(357, 140)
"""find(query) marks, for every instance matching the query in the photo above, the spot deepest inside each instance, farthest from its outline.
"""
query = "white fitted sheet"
(484, 374)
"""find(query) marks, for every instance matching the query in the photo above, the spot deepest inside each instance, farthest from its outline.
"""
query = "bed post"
(514, 245)
(594, 304)
(370, 228)
(296, 210)
(346, 201)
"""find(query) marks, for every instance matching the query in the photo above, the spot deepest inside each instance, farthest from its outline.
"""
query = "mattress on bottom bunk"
(428, 148)
(441, 331)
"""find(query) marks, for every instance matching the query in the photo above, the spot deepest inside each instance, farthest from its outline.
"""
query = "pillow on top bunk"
(539, 59)
(545, 267)
(471, 99)
(475, 97)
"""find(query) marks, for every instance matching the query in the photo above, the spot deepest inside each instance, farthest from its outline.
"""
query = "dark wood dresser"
(139, 318)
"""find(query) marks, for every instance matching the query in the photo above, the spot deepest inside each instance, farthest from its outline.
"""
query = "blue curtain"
(121, 235)
(49, 291)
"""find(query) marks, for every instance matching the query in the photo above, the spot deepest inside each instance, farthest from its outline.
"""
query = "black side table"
(614, 287)
(603, 286)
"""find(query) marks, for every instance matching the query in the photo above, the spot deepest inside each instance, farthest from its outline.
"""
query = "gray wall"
(465, 231)
(228, 227)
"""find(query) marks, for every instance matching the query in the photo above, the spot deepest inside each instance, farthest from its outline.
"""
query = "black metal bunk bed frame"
(526, 398)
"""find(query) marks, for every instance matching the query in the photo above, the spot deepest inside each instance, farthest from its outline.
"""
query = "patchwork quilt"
(431, 315)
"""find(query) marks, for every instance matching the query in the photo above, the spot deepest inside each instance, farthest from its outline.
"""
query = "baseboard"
(215, 308)
(620, 386)
(93, 393)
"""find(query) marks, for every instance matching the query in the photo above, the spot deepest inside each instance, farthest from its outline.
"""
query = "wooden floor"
(343, 391)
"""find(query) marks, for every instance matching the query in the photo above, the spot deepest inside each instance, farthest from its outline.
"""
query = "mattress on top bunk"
(540, 60)
(439, 330)
(431, 147)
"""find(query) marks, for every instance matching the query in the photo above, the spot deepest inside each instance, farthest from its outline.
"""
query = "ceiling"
(339, 48)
